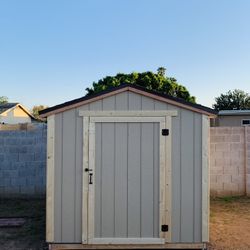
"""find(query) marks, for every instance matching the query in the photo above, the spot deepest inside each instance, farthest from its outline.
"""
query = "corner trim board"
(85, 161)
(50, 179)
(205, 178)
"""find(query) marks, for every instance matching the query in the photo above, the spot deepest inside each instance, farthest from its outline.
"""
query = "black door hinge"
(165, 132)
(164, 228)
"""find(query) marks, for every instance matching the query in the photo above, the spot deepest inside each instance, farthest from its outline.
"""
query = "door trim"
(164, 118)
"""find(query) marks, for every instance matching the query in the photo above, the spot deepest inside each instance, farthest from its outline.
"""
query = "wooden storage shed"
(129, 167)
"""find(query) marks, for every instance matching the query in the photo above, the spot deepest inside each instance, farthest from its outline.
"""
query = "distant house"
(14, 113)
(232, 118)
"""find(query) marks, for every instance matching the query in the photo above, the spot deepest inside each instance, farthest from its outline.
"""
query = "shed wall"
(186, 167)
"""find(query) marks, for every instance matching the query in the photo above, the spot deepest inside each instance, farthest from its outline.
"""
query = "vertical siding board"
(187, 178)
(109, 103)
(121, 172)
(78, 177)
(176, 176)
(134, 101)
(197, 177)
(156, 151)
(68, 177)
(121, 101)
(147, 180)
(147, 103)
(107, 175)
(160, 105)
(98, 183)
(58, 172)
(95, 105)
(134, 181)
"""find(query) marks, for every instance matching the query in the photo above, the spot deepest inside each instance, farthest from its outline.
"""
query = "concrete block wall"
(229, 161)
(23, 161)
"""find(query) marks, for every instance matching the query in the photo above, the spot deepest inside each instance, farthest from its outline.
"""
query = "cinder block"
(238, 178)
(212, 178)
(19, 181)
(224, 130)
(235, 138)
(231, 170)
(31, 182)
(27, 190)
(26, 157)
(237, 130)
(236, 146)
(11, 157)
(222, 147)
(216, 171)
(236, 161)
(222, 162)
(5, 182)
(224, 178)
(230, 187)
(10, 173)
(11, 141)
(212, 147)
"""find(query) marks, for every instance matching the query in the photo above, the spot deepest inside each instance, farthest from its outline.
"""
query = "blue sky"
(50, 51)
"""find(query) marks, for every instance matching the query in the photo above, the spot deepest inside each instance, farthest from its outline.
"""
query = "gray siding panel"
(147, 180)
(187, 177)
(68, 177)
(107, 177)
(176, 177)
(134, 101)
(98, 180)
(121, 187)
(134, 182)
(58, 179)
(121, 101)
(78, 178)
(156, 179)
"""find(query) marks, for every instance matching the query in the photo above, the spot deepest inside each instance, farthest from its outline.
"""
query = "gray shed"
(128, 167)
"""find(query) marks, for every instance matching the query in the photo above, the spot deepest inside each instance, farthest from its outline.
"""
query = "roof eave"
(122, 88)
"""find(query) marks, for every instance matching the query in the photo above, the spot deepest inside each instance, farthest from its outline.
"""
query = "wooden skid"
(129, 246)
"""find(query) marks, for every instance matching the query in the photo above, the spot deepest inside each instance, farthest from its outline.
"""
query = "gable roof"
(6, 107)
(128, 87)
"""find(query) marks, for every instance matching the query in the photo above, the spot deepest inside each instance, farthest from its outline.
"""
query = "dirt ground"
(31, 236)
(229, 224)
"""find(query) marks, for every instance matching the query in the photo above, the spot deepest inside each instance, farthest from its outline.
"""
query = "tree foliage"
(152, 81)
(35, 110)
(236, 99)
(3, 99)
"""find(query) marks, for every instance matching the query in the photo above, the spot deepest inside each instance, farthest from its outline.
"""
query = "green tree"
(35, 110)
(236, 99)
(3, 99)
(152, 81)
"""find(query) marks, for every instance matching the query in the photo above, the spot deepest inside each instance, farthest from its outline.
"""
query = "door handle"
(90, 178)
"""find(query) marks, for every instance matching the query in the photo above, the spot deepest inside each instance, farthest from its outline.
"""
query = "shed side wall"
(186, 167)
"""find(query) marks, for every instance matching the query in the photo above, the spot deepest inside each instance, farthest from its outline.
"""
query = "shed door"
(124, 201)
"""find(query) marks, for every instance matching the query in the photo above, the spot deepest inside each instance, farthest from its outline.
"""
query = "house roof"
(128, 87)
(234, 112)
(6, 107)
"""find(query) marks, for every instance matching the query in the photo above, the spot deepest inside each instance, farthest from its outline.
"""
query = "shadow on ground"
(31, 235)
